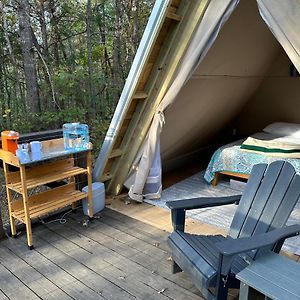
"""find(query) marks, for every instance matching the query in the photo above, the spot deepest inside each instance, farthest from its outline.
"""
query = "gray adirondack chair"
(258, 226)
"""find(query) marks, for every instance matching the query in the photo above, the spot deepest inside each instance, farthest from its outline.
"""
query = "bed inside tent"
(244, 82)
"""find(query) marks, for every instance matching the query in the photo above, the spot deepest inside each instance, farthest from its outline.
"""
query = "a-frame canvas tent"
(213, 60)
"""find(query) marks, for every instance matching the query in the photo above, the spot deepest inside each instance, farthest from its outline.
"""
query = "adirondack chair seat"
(200, 254)
(258, 225)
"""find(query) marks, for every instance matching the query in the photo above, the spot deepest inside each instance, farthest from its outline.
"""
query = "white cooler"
(98, 189)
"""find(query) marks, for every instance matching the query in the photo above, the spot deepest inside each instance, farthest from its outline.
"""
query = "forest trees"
(66, 60)
(26, 40)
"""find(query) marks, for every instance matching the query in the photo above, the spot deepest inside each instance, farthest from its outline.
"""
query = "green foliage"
(71, 88)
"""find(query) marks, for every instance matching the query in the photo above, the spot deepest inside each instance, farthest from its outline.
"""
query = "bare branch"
(68, 37)
(50, 78)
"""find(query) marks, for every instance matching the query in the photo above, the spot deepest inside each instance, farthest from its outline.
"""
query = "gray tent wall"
(232, 72)
(276, 99)
(227, 78)
(216, 14)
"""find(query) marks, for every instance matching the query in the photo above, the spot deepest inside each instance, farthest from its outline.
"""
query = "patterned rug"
(196, 186)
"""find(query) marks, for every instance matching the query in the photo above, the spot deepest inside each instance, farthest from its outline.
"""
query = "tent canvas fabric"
(283, 19)
(274, 14)
(285, 30)
(215, 16)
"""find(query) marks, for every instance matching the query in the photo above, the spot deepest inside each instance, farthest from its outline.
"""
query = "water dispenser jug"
(76, 136)
(84, 139)
(69, 130)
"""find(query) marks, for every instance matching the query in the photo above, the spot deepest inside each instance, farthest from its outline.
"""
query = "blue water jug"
(69, 134)
(76, 136)
(84, 136)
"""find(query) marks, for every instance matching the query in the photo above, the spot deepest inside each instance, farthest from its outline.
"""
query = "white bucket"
(98, 191)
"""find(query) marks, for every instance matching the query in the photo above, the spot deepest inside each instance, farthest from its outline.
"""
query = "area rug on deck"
(195, 186)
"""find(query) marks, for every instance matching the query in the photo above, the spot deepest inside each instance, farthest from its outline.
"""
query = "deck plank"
(41, 263)
(114, 257)
(135, 231)
(3, 296)
(133, 237)
(156, 265)
(63, 265)
(57, 294)
(27, 274)
(79, 291)
(145, 260)
(12, 287)
(77, 267)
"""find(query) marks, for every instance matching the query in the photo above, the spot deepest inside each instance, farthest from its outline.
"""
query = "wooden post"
(74, 204)
(26, 207)
(72, 180)
(216, 179)
(89, 176)
(9, 201)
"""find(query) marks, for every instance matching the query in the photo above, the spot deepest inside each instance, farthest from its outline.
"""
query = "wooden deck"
(114, 257)
(117, 256)
(160, 218)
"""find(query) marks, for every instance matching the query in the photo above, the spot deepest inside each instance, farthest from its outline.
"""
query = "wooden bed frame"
(231, 174)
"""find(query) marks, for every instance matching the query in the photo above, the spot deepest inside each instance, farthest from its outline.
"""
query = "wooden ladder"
(181, 19)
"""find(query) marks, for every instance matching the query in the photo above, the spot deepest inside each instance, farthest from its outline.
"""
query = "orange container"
(10, 140)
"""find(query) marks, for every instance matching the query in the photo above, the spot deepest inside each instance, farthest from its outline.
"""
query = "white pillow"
(283, 129)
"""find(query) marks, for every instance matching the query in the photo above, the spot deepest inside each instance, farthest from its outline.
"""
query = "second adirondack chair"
(257, 226)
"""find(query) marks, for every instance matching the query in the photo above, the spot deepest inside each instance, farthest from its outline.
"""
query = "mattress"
(231, 158)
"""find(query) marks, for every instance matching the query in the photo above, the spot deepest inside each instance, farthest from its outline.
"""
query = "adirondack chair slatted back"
(268, 200)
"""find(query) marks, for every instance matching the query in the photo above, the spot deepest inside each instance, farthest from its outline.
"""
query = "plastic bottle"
(84, 139)
(70, 135)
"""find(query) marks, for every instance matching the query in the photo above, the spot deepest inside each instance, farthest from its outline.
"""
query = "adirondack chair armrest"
(231, 247)
(202, 202)
(179, 207)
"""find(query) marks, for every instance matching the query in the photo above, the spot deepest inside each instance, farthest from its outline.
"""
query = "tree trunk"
(53, 22)
(116, 68)
(92, 102)
(105, 61)
(135, 33)
(13, 60)
(42, 22)
(28, 57)
(2, 93)
(8, 97)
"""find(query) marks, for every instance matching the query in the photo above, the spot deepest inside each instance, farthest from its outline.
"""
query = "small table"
(273, 275)
(54, 164)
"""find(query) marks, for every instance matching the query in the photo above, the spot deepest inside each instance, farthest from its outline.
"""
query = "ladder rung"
(116, 153)
(173, 16)
(140, 95)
